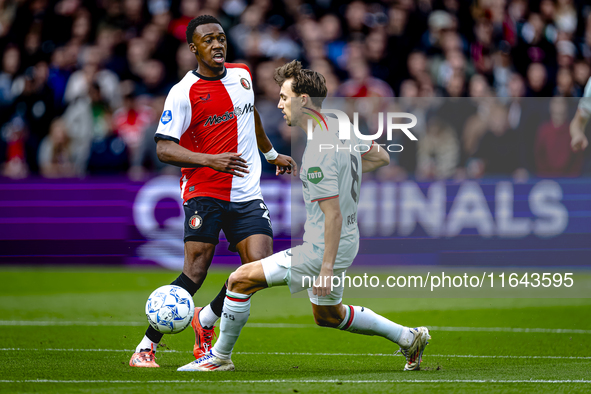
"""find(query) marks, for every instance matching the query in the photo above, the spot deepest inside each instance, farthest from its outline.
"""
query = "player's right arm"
(175, 120)
(374, 158)
(170, 152)
(333, 223)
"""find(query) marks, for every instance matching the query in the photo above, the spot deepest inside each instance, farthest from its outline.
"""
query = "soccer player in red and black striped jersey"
(211, 128)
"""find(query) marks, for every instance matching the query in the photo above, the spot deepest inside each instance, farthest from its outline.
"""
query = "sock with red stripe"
(234, 317)
(361, 320)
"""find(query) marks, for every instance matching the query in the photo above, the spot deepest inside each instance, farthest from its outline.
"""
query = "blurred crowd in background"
(83, 83)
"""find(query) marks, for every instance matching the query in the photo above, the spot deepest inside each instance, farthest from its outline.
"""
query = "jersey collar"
(211, 78)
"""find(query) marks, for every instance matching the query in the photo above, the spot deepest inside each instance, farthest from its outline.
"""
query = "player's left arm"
(284, 163)
(333, 223)
(374, 158)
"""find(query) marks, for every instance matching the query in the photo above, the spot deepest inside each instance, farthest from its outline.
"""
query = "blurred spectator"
(354, 17)
(554, 156)
(438, 152)
(162, 46)
(537, 79)
(498, 151)
(144, 159)
(565, 86)
(185, 61)
(108, 155)
(275, 44)
(92, 71)
(14, 135)
(7, 14)
(34, 104)
(10, 67)
(330, 26)
(189, 9)
(131, 120)
(59, 73)
(362, 84)
(56, 153)
(533, 47)
(581, 74)
(87, 118)
(439, 23)
(153, 79)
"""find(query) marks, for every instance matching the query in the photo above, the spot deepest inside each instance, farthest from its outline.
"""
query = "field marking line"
(289, 325)
(301, 381)
(304, 353)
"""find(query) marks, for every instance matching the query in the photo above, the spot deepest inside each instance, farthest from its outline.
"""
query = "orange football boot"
(203, 336)
(146, 359)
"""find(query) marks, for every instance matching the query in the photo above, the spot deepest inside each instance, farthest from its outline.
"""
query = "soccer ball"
(170, 309)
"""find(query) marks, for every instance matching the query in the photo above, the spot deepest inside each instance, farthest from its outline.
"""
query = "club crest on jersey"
(315, 175)
(166, 116)
(195, 222)
(245, 84)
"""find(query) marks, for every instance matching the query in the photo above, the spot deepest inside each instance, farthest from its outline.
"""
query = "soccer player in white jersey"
(211, 129)
(331, 187)
(579, 141)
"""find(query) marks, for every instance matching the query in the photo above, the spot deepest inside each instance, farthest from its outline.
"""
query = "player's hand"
(323, 283)
(229, 162)
(579, 142)
(285, 164)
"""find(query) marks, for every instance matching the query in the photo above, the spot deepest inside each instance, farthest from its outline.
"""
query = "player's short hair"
(305, 81)
(198, 21)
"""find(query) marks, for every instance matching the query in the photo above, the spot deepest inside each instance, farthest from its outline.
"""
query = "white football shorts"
(297, 268)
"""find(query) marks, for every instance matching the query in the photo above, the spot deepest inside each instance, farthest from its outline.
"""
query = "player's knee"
(238, 279)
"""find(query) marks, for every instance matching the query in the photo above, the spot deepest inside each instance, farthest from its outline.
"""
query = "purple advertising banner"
(112, 220)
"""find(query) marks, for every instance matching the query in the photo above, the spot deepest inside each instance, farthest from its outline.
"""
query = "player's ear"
(193, 48)
(305, 99)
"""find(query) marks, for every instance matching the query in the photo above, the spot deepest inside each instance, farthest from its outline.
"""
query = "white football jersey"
(332, 168)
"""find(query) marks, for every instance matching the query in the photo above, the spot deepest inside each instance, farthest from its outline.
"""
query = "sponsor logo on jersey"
(166, 117)
(195, 222)
(315, 175)
(245, 84)
(206, 98)
(217, 119)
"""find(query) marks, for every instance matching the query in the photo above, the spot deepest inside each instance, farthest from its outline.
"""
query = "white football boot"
(414, 353)
(207, 363)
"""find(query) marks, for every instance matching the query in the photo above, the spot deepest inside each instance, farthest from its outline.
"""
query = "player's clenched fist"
(579, 142)
(229, 162)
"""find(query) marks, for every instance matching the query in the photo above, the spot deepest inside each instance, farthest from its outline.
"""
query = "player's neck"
(317, 121)
(209, 72)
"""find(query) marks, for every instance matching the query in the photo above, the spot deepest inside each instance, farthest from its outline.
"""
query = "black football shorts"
(206, 216)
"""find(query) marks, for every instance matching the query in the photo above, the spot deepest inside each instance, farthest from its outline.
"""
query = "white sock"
(207, 318)
(146, 343)
(361, 320)
(234, 316)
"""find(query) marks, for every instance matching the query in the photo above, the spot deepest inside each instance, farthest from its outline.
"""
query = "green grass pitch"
(74, 330)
